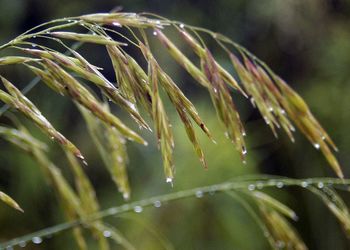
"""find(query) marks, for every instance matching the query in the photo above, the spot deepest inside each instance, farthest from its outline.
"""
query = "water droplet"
(244, 162)
(323, 137)
(266, 234)
(244, 151)
(251, 187)
(120, 159)
(280, 244)
(116, 24)
(138, 209)
(126, 196)
(182, 25)
(132, 106)
(226, 134)
(107, 234)
(157, 22)
(259, 185)
(22, 244)
(267, 121)
(169, 180)
(283, 112)
(33, 45)
(304, 184)
(244, 133)
(122, 140)
(295, 216)
(271, 109)
(157, 204)
(279, 184)
(320, 185)
(37, 240)
(317, 146)
(34, 36)
(199, 194)
(155, 33)
(252, 101)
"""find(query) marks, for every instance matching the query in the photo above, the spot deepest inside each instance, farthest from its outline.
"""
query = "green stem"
(218, 188)
(28, 35)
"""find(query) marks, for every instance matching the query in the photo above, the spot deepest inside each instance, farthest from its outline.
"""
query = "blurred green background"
(307, 42)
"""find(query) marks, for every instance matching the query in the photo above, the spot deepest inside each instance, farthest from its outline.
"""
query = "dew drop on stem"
(126, 196)
(304, 184)
(199, 194)
(320, 185)
(120, 159)
(169, 180)
(116, 24)
(22, 244)
(37, 240)
(107, 234)
(251, 187)
(280, 244)
(157, 204)
(138, 209)
(279, 184)
(182, 26)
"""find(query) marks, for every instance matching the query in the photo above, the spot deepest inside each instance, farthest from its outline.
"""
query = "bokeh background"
(307, 42)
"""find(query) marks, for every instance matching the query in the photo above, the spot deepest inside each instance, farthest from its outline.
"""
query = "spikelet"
(274, 204)
(80, 94)
(84, 187)
(87, 196)
(15, 60)
(142, 90)
(124, 19)
(162, 125)
(182, 60)
(223, 103)
(335, 204)
(277, 102)
(18, 101)
(111, 146)
(300, 113)
(123, 73)
(201, 52)
(214, 77)
(284, 234)
(86, 38)
(21, 139)
(50, 81)
(131, 78)
(9, 201)
(90, 72)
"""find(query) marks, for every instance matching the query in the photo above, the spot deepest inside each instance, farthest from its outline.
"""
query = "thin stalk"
(162, 199)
